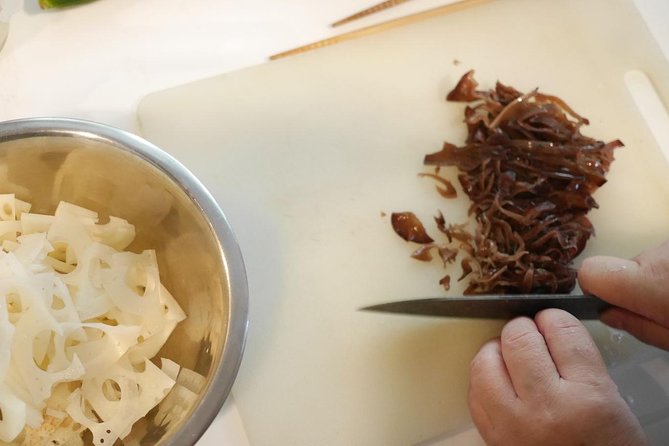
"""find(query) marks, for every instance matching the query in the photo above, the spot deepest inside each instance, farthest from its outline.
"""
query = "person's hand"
(543, 383)
(638, 287)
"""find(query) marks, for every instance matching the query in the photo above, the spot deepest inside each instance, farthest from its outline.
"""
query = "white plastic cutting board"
(308, 156)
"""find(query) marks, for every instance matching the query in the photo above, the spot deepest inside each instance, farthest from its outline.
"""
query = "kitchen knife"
(496, 306)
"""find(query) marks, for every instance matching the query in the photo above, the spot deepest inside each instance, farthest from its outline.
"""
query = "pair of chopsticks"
(451, 7)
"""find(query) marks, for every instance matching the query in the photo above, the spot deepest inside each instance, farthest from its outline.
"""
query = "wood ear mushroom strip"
(530, 175)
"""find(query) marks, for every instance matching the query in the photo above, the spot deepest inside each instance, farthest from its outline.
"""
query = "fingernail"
(609, 264)
(612, 268)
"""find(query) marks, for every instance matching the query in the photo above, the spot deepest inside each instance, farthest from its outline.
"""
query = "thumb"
(640, 285)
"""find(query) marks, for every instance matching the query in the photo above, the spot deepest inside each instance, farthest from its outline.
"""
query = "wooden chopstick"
(416, 17)
(369, 11)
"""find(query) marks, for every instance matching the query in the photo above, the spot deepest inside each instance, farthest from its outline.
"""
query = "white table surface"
(97, 61)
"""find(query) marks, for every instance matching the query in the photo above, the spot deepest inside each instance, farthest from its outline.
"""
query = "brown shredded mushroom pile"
(530, 175)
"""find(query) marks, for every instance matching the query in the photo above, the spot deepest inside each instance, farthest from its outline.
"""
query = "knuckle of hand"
(656, 272)
(583, 353)
(565, 323)
(655, 275)
(485, 359)
(603, 391)
(475, 365)
(521, 340)
(565, 327)
(477, 368)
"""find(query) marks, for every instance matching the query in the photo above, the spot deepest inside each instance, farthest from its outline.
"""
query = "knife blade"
(496, 306)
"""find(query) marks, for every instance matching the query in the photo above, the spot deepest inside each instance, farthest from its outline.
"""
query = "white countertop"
(97, 61)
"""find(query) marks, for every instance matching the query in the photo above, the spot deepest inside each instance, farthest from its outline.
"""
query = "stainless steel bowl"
(45, 160)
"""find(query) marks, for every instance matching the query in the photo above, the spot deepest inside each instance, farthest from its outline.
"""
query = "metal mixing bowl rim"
(225, 373)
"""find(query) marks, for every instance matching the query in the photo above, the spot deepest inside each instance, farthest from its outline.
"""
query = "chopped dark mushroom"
(530, 175)
(409, 227)
(445, 282)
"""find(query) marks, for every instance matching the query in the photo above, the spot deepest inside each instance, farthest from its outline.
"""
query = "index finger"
(527, 358)
(574, 352)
